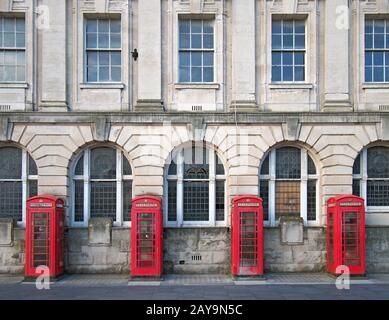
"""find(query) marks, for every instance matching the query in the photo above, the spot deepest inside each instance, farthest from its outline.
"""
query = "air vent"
(197, 108)
(5, 107)
(196, 257)
(383, 107)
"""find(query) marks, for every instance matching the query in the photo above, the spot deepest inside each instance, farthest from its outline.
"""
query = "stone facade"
(333, 115)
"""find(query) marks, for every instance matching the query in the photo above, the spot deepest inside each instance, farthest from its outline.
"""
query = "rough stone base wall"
(213, 245)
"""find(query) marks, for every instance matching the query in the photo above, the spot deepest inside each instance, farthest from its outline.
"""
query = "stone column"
(52, 31)
(243, 56)
(149, 61)
(337, 56)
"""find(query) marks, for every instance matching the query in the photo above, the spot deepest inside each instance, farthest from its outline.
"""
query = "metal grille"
(378, 162)
(350, 239)
(172, 200)
(146, 235)
(377, 193)
(287, 198)
(288, 163)
(79, 171)
(248, 239)
(265, 166)
(41, 239)
(357, 187)
(311, 166)
(311, 200)
(11, 199)
(127, 200)
(264, 194)
(331, 237)
(357, 165)
(32, 168)
(196, 201)
(103, 163)
(10, 163)
(32, 188)
(220, 200)
(78, 200)
(103, 199)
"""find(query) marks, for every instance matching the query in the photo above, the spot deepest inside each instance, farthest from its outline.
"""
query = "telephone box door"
(247, 236)
(146, 237)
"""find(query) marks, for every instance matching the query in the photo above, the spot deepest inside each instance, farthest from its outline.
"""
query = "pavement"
(274, 286)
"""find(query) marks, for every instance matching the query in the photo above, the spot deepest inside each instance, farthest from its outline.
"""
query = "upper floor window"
(12, 50)
(196, 50)
(288, 50)
(289, 185)
(18, 182)
(102, 186)
(376, 50)
(195, 193)
(371, 176)
(103, 50)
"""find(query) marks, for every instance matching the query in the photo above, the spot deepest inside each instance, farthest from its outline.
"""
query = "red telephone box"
(247, 236)
(45, 225)
(346, 234)
(146, 237)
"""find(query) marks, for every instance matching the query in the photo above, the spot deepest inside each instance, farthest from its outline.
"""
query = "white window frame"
(363, 178)
(305, 177)
(98, 50)
(86, 178)
(15, 49)
(213, 177)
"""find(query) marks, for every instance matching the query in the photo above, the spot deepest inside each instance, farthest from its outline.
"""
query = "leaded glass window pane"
(264, 194)
(378, 162)
(103, 199)
(79, 171)
(103, 163)
(219, 167)
(287, 198)
(196, 171)
(127, 200)
(377, 193)
(311, 200)
(172, 200)
(127, 171)
(196, 164)
(79, 200)
(32, 168)
(172, 168)
(11, 199)
(357, 165)
(196, 201)
(10, 163)
(220, 200)
(357, 187)
(311, 166)
(32, 188)
(288, 163)
(265, 166)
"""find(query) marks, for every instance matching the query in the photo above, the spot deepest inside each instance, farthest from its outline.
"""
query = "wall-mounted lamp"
(135, 54)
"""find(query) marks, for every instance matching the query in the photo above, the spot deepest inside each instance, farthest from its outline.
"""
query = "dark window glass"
(264, 194)
(196, 201)
(10, 163)
(79, 171)
(103, 163)
(32, 188)
(287, 198)
(288, 163)
(220, 200)
(219, 167)
(126, 167)
(172, 169)
(79, 200)
(11, 199)
(378, 162)
(172, 200)
(378, 193)
(265, 166)
(357, 165)
(32, 168)
(357, 187)
(311, 166)
(311, 200)
(127, 200)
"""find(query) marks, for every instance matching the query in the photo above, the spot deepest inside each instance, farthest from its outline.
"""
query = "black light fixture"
(135, 54)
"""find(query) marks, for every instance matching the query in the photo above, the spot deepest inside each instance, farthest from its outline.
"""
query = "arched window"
(371, 177)
(18, 182)
(289, 185)
(102, 186)
(195, 192)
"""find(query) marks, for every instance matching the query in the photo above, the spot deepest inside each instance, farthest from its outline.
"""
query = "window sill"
(375, 85)
(180, 86)
(101, 85)
(275, 86)
(14, 85)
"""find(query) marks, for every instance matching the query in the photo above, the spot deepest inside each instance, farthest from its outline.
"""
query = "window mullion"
(304, 186)
(212, 188)
(272, 187)
(86, 187)
(119, 187)
(24, 185)
(364, 176)
(180, 188)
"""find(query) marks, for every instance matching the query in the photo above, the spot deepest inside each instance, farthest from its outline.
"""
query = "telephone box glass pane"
(287, 198)
(103, 199)
(248, 239)
(146, 240)
(351, 239)
(103, 163)
(331, 238)
(11, 199)
(40, 231)
(196, 201)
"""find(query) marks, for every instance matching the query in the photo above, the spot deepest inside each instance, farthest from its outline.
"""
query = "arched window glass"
(288, 185)
(102, 186)
(195, 188)
(371, 176)
(18, 182)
